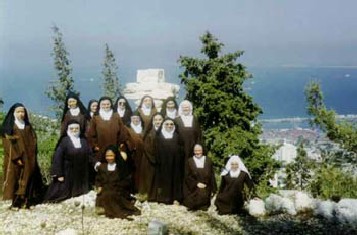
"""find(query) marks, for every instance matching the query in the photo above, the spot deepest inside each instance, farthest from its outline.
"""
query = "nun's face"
(72, 103)
(73, 129)
(105, 105)
(20, 113)
(110, 156)
(234, 166)
(94, 107)
(170, 105)
(157, 121)
(186, 109)
(197, 150)
(169, 126)
(135, 120)
(147, 102)
(121, 104)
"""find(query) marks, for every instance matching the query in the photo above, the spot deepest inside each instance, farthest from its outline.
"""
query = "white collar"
(76, 140)
(121, 112)
(171, 114)
(111, 166)
(166, 134)
(234, 174)
(146, 111)
(137, 129)
(106, 115)
(75, 111)
(200, 162)
(187, 120)
(20, 123)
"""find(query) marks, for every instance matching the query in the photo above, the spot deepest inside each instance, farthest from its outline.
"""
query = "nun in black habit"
(70, 167)
(169, 165)
(188, 128)
(231, 195)
(199, 182)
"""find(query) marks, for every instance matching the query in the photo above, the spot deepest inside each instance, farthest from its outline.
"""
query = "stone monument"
(151, 82)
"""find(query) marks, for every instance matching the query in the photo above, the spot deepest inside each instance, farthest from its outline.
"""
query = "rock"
(303, 202)
(151, 82)
(277, 204)
(256, 207)
(325, 209)
(156, 227)
(346, 211)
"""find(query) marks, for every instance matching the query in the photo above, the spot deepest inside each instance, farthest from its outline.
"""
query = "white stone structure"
(286, 153)
(150, 82)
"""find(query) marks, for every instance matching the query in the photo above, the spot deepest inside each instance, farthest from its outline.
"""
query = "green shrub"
(330, 181)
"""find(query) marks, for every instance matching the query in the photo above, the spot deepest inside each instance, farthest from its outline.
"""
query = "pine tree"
(343, 133)
(300, 171)
(228, 115)
(111, 87)
(58, 89)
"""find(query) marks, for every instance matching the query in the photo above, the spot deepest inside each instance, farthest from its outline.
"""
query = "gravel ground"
(77, 216)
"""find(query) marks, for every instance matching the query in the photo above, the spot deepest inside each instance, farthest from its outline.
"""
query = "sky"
(155, 33)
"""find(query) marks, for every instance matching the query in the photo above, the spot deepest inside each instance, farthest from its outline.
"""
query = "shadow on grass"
(300, 224)
(282, 224)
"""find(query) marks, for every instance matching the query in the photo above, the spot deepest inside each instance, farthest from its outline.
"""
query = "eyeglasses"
(169, 124)
(121, 102)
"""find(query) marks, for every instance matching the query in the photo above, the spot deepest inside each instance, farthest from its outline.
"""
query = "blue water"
(279, 91)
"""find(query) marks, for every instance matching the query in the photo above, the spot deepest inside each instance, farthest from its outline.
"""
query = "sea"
(278, 90)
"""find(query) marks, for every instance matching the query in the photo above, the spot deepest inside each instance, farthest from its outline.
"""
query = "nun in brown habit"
(146, 109)
(122, 107)
(106, 128)
(149, 159)
(74, 110)
(114, 184)
(22, 177)
(136, 133)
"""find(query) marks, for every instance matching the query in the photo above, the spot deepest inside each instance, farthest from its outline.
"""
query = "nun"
(92, 107)
(169, 165)
(114, 183)
(136, 133)
(74, 110)
(188, 128)
(106, 128)
(146, 109)
(199, 182)
(170, 108)
(149, 159)
(122, 107)
(22, 177)
(70, 165)
(231, 194)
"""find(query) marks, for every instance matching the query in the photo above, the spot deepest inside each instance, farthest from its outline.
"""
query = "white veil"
(234, 158)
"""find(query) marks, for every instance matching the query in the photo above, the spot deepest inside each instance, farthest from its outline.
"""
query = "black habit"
(73, 164)
(196, 198)
(169, 169)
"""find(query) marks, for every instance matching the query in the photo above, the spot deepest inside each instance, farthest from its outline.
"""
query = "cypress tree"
(111, 87)
(228, 115)
(59, 88)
